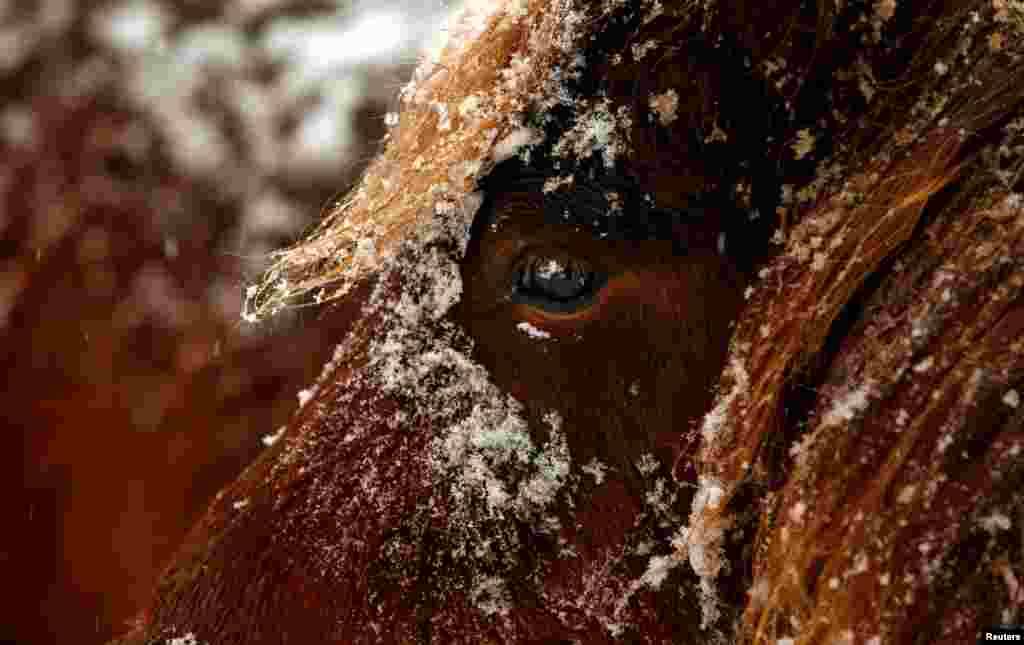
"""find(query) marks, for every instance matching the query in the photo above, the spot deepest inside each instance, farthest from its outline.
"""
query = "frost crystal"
(532, 331)
(703, 540)
(492, 596)
(639, 51)
(1012, 398)
(844, 410)
(665, 106)
(596, 469)
(304, 396)
(847, 408)
(598, 129)
(658, 568)
(995, 522)
(804, 143)
(271, 439)
(647, 464)
(554, 183)
(715, 419)
(513, 143)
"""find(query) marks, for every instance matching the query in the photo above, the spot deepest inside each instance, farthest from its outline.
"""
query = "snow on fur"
(408, 223)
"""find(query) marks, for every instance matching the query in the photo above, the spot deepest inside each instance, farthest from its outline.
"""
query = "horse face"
(481, 468)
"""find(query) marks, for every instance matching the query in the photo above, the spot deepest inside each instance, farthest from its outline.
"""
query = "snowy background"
(152, 152)
(273, 104)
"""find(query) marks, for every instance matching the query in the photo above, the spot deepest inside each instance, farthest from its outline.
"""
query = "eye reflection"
(555, 282)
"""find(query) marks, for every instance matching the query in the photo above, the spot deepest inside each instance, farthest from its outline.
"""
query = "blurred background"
(151, 154)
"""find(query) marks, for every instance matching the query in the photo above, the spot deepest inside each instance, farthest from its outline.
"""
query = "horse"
(661, 324)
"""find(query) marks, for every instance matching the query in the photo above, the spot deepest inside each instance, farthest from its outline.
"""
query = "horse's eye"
(555, 282)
